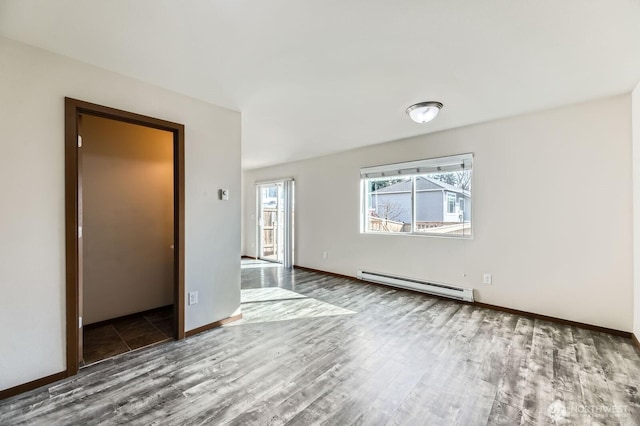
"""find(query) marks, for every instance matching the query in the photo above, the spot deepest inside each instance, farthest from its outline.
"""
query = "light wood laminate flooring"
(317, 349)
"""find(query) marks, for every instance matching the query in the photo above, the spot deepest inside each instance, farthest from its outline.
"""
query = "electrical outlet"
(486, 279)
(193, 297)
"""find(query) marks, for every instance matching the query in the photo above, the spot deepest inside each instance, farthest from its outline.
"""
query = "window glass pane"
(388, 204)
(451, 203)
(429, 197)
(269, 196)
(443, 203)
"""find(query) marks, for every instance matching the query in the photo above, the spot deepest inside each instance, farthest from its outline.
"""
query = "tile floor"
(119, 335)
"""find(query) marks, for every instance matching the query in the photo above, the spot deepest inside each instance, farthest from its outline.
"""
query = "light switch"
(224, 194)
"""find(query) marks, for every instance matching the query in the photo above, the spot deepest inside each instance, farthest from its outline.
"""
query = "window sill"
(420, 234)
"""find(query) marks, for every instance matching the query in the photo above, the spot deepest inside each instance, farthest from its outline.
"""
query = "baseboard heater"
(445, 290)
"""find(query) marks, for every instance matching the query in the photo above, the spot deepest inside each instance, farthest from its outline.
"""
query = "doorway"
(275, 205)
(79, 247)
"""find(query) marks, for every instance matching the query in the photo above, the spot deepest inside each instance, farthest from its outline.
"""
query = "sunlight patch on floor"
(267, 294)
(259, 264)
(277, 304)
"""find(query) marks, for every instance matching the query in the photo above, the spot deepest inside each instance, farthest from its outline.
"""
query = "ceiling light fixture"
(424, 112)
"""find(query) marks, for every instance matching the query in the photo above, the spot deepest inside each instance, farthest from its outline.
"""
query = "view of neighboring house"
(438, 205)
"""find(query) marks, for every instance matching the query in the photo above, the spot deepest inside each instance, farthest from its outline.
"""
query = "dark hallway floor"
(119, 335)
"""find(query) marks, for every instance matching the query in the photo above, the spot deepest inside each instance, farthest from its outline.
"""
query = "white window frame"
(413, 169)
(451, 195)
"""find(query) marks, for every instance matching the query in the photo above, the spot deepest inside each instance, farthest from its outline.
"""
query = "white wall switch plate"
(193, 297)
(224, 194)
(486, 279)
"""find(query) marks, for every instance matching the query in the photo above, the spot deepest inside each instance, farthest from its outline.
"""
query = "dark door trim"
(73, 109)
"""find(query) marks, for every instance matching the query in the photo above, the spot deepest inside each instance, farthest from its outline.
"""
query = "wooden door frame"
(73, 109)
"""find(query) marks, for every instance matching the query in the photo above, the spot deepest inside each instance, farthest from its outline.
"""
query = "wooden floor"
(327, 350)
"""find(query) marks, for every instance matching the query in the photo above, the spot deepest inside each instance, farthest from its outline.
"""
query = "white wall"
(127, 218)
(635, 113)
(32, 274)
(552, 213)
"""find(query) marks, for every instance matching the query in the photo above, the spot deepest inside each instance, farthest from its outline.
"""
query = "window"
(426, 197)
(388, 204)
(451, 203)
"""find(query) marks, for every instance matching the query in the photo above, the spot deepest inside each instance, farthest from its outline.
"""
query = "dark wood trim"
(213, 325)
(349, 277)
(73, 109)
(96, 110)
(34, 384)
(125, 317)
(556, 320)
(495, 307)
(178, 229)
(71, 233)
(333, 274)
(247, 257)
(635, 341)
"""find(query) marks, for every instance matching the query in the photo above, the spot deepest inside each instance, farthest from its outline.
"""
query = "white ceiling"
(316, 77)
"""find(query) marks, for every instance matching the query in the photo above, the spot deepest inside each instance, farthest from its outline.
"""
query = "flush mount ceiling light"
(424, 112)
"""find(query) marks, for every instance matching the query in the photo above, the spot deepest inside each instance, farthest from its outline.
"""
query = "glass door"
(270, 222)
(275, 222)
